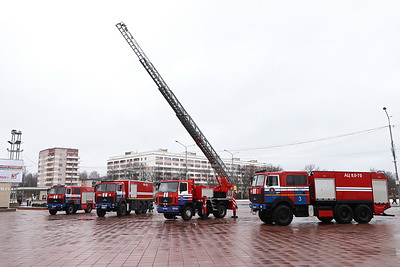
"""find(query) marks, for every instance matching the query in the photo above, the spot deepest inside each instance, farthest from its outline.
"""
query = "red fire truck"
(70, 199)
(183, 197)
(124, 196)
(342, 196)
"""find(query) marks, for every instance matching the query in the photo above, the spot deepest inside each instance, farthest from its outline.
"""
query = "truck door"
(183, 194)
(272, 190)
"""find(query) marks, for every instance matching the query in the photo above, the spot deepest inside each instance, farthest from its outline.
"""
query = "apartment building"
(58, 166)
(161, 164)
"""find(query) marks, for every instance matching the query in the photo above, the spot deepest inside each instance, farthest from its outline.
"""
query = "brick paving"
(34, 238)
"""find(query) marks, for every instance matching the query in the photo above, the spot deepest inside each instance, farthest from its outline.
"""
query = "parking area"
(35, 238)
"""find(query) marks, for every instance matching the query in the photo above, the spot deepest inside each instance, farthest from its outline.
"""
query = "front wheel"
(53, 212)
(100, 212)
(282, 215)
(262, 214)
(121, 211)
(187, 213)
(70, 209)
(89, 208)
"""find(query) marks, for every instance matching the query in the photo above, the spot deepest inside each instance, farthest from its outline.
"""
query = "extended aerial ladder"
(224, 182)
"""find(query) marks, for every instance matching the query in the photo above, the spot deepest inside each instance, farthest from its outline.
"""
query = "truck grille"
(165, 200)
(55, 201)
(104, 199)
(257, 198)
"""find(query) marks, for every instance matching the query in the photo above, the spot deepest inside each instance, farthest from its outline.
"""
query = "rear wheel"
(144, 207)
(53, 212)
(187, 213)
(362, 214)
(100, 212)
(343, 214)
(221, 211)
(282, 215)
(88, 208)
(70, 209)
(262, 214)
(121, 211)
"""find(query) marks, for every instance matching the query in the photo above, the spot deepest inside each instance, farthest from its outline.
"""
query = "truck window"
(77, 190)
(183, 187)
(272, 180)
(296, 180)
(120, 187)
(68, 191)
(57, 190)
(168, 187)
(258, 180)
(106, 188)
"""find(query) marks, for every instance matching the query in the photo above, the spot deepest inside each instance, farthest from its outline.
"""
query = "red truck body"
(185, 198)
(342, 196)
(124, 196)
(70, 199)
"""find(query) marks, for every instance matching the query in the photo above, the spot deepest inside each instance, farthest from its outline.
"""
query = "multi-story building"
(58, 166)
(160, 165)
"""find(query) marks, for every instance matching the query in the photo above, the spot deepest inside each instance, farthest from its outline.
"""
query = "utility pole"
(393, 153)
(186, 158)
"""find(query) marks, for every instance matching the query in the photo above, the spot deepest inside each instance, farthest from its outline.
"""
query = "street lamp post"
(393, 152)
(186, 158)
(231, 161)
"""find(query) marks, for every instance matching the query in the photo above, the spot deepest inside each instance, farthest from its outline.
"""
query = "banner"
(11, 170)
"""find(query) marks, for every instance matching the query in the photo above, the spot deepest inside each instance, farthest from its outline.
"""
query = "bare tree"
(311, 168)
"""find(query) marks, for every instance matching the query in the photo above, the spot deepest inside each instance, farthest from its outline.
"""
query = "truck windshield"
(57, 191)
(258, 180)
(106, 188)
(168, 187)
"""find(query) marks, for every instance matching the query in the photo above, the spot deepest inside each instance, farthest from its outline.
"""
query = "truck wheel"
(362, 214)
(325, 219)
(221, 211)
(169, 216)
(53, 212)
(282, 215)
(121, 211)
(144, 207)
(138, 210)
(70, 209)
(187, 213)
(100, 212)
(89, 208)
(262, 214)
(343, 214)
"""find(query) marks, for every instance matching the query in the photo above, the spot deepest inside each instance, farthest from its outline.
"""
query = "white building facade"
(58, 166)
(161, 164)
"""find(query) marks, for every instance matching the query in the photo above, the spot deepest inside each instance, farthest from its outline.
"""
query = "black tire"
(144, 207)
(221, 211)
(138, 210)
(343, 214)
(88, 208)
(121, 211)
(325, 219)
(363, 214)
(100, 212)
(169, 216)
(53, 212)
(282, 215)
(262, 214)
(187, 213)
(70, 209)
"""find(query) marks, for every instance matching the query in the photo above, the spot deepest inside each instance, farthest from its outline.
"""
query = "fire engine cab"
(342, 196)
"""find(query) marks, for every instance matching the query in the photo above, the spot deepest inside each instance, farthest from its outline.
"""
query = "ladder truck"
(184, 197)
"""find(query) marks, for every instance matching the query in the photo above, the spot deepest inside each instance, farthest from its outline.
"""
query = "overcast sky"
(289, 83)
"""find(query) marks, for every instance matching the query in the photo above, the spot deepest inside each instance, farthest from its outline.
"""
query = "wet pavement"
(35, 238)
